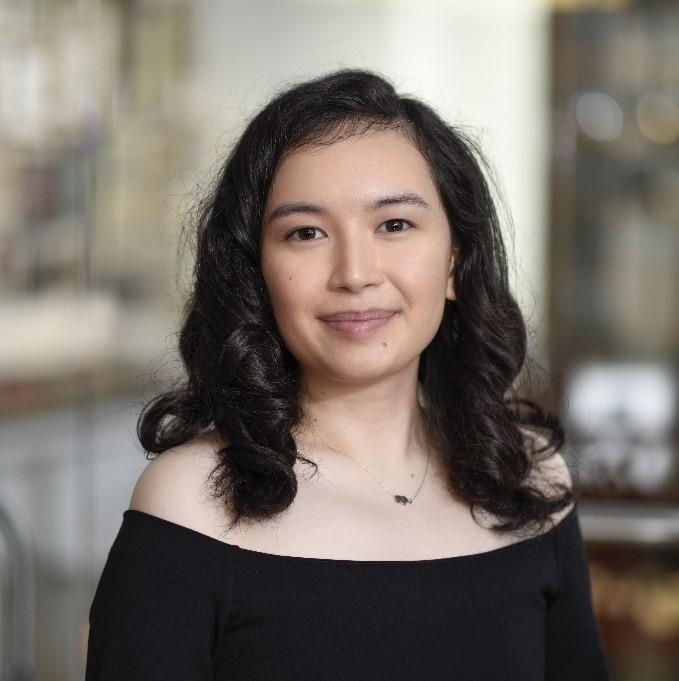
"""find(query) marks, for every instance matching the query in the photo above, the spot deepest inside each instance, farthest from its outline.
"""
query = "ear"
(450, 286)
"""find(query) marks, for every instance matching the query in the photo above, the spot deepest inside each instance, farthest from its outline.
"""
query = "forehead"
(357, 166)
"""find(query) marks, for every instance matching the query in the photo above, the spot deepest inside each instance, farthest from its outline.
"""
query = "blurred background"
(113, 115)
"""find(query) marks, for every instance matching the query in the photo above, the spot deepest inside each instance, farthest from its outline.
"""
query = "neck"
(381, 428)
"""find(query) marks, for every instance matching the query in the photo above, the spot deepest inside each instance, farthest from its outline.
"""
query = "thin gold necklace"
(398, 498)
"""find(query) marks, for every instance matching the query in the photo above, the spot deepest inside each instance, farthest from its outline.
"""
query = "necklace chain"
(398, 498)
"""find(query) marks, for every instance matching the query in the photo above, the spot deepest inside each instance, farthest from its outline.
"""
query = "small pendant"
(399, 499)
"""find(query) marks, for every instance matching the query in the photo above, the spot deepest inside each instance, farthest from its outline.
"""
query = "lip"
(371, 321)
(358, 315)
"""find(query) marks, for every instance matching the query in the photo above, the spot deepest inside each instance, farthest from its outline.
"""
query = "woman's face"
(353, 226)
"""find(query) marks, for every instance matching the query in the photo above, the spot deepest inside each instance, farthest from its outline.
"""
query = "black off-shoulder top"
(173, 604)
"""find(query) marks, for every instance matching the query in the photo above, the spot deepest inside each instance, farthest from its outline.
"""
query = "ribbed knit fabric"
(173, 604)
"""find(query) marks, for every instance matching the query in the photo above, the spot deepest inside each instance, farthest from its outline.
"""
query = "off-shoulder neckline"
(310, 560)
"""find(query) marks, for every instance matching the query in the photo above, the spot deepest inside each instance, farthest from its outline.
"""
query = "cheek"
(290, 308)
(279, 280)
(424, 282)
(425, 273)
(283, 298)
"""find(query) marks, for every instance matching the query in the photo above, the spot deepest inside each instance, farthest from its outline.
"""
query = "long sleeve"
(156, 610)
(574, 648)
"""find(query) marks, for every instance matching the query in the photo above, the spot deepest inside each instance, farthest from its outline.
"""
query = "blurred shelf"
(68, 348)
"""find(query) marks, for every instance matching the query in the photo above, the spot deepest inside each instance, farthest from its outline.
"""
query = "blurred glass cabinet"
(614, 328)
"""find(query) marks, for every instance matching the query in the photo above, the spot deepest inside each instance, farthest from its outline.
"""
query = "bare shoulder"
(550, 472)
(175, 486)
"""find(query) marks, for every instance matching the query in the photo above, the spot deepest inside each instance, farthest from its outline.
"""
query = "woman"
(350, 317)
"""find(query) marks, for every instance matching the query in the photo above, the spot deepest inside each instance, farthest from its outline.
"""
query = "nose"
(355, 263)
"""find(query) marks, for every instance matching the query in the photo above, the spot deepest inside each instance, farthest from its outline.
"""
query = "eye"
(305, 230)
(308, 230)
(397, 220)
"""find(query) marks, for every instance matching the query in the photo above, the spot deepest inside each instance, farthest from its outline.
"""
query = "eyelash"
(299, 229)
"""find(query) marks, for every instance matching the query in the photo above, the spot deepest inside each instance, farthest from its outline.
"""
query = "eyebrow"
(408, 198)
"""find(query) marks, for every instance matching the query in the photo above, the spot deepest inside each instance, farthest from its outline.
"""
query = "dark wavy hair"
(241, 380)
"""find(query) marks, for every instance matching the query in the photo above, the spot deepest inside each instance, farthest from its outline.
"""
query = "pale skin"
(359, 393)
